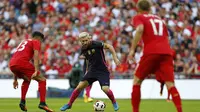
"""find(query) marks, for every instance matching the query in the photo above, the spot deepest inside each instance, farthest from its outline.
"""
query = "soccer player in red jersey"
(157, 54)
(21, 67)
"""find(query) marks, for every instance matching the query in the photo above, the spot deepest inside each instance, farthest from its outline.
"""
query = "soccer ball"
(99, 106)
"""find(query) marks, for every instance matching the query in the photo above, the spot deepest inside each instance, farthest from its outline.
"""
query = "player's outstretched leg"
(74, 95)
(110, 95)
(22, 105)
(175, 96)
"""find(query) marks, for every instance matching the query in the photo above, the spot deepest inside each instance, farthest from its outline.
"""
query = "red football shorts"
(23, 70)
(159, 64)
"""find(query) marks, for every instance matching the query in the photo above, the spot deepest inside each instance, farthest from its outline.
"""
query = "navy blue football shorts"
(102, 77)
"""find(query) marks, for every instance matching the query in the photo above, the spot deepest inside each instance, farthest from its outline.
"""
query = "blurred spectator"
(138, 54)
(23, 18)
(192, 67)
(186, 56)
(64, 68)
(52, 73)
(4, 70)
(178, 63)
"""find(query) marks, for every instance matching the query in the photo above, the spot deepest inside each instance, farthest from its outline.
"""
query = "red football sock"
(24, 89)
(135, 98)
(176, 98)
(42, 90)
(111, 96)
(87, 89)
(74, 95)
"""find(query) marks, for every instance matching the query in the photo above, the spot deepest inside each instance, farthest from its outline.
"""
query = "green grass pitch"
(11, 105)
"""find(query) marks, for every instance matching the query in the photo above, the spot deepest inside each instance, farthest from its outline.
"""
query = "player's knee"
(169, 85)
(137, 81)
(79, 88)
(25, 81)
(42, 78)
(105, 89)
(39, 78)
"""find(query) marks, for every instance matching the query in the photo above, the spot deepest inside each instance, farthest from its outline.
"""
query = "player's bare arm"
(36, 62)
(135, 40)
(112, 50)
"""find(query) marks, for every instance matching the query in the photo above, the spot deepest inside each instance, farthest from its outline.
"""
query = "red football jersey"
(155, 34)
(25, 51)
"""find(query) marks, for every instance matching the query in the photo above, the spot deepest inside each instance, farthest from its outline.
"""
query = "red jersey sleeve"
(36, 45)
(137, 21)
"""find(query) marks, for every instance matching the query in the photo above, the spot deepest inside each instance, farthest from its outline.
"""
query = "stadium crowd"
(107, 20)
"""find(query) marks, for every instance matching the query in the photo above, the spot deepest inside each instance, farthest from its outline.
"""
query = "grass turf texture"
(11, 105)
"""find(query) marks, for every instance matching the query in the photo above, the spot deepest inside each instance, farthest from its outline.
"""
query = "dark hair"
(144, 5)
(38, 34)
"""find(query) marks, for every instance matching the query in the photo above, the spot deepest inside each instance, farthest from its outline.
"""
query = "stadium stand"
(107, 20)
